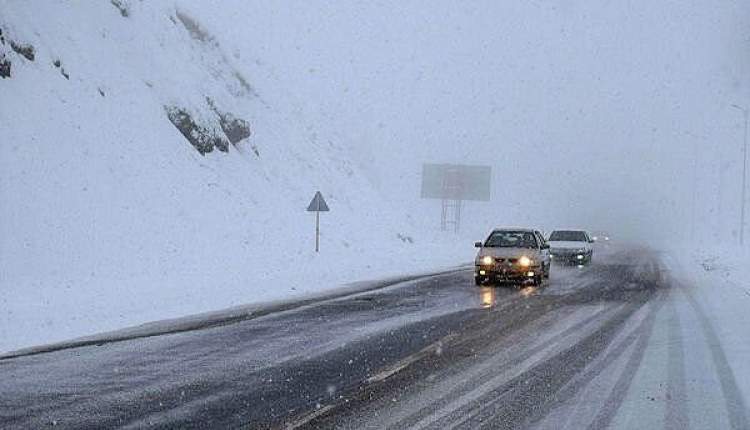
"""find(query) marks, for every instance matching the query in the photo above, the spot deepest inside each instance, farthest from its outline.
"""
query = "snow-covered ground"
(110, 217)
(711, 315)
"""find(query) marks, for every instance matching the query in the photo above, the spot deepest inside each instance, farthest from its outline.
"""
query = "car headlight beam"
(525, 261)
(487, 260)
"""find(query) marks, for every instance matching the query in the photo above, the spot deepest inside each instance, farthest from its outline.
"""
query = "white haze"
(602, 115)
(608, 115)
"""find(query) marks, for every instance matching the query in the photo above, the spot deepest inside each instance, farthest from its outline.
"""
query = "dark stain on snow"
(58, 64)
(24, 49)
(244, 84)
(405, 238)
(194, 28)
(202, 138)
(197, 32)
(122, 7)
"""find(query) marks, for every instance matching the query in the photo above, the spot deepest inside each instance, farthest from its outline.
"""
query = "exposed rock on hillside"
(236, 129)
(4, 67)
(204, 139)
(24, 49)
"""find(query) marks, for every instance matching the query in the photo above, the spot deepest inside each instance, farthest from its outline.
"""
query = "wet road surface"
(432, 353)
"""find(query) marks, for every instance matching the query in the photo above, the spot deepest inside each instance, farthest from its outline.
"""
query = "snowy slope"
(111, 217)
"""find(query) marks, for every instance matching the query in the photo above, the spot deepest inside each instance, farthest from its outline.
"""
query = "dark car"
(512, 255)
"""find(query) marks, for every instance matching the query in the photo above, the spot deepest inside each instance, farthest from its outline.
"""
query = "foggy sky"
(609, 115)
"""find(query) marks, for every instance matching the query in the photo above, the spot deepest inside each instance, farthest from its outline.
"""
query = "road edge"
(224, 317)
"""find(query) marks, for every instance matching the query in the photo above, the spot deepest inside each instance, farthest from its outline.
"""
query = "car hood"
(568, 245)
(508, 252)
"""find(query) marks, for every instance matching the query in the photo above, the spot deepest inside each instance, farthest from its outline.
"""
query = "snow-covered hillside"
(145, 173)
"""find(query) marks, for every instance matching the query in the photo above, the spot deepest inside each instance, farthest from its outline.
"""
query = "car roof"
(569, 229)
(527, 229)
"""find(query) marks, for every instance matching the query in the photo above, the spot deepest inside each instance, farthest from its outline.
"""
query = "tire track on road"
(733, 398)
(676, 414)
(467, 392)
(533, 394)
(641, 337)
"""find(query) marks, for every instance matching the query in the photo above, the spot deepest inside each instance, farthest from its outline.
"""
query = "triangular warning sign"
(318, 204)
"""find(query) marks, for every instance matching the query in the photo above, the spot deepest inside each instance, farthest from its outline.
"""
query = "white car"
(600, 237)
(571, 246)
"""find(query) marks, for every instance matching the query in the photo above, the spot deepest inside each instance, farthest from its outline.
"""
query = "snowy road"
(619, 344)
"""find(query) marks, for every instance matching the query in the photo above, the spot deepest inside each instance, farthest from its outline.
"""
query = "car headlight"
(525, 261)
(487, 260)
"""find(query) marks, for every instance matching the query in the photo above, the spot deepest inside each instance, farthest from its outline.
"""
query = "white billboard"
(456, 182)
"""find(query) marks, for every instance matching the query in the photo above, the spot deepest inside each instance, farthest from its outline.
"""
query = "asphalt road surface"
(595, 347)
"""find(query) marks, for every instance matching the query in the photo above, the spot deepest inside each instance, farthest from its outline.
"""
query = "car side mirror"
(477, 244)
(545, 246)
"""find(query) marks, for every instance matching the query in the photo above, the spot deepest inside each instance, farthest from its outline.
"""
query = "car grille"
(504, 260)
(564, 251)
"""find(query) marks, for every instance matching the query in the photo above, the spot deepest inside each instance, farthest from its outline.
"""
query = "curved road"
(602, 346)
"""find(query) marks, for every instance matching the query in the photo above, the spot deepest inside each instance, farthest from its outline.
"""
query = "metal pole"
(744, 183)
(744, 176)
(458, 216)
(317, 231)
(443, 214)
(693, 193)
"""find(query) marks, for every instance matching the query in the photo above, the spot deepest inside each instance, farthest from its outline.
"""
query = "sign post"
(317, 205)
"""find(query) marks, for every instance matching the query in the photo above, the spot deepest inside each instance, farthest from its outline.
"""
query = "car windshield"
(567, 236)
(511, 239)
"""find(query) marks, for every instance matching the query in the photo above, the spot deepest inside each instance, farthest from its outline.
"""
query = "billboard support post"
(453, 184)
